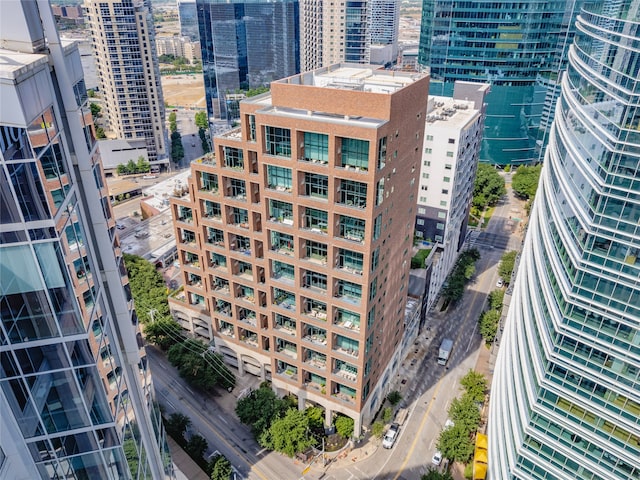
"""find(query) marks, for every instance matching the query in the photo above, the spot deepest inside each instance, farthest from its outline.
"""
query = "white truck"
(445, 351)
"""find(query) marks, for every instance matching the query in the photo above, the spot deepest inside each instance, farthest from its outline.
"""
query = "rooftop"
(346, 76)
(450, 112)
(13, 64)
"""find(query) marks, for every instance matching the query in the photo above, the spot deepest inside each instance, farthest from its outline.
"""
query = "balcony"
(347, 324)
(284, 249)
(227, 331)
(287, 348)
(285, 300)
(317, 339)
(249, 338)
(319, 314)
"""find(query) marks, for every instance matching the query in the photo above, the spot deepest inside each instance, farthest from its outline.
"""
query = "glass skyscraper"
(517, 47)
(245, 45)
(565, 400)
(75, 391)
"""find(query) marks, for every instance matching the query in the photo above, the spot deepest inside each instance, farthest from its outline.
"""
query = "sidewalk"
(185, 467)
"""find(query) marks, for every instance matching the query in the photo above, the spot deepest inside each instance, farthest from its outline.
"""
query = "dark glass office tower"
(517, 47)
(246, 45)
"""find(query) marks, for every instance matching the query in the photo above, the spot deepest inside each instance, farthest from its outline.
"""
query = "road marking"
(222, 418)
(171, 404)
(260, 452)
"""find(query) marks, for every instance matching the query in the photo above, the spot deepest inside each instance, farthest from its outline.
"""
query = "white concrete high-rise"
(75, 391)
(127, 66)
(565, 401)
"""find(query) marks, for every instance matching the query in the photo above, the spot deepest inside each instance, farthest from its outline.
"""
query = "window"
(283, 270)
(280, 211)
(446, 179)
(425, 175)
(350, 290)
(373, 289)
(452, 140)
(215, 236)
(278, 141)
(429, 138)
(209, 182)
(350, 261)
(279, 178)
(353, 193)
(316, 250)
(440, 226)
(237, 189)
(443, 203)
(428, 151)
(212, 210)
(240, 216)
(447, 166)
(347, 319)
(423, 199)
(315, 219)
(375, 259)
(316, 147)
(252, 128)
(233, 158)
(355, 153)
(218, 260)
(380, 192)
(422, 211)
(382, 152)
(445, 191)
(282, 243)
(316, 185)
(315, 280)
(352, 228)
(442, 215)
(377, 227)
(449, 154)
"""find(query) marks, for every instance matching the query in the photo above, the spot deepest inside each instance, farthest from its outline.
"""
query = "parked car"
(500, 283)
(120, 226)
(437, 458)
(391, 436)
(149, 177)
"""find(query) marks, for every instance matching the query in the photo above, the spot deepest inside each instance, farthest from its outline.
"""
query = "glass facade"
(566, 389)
(73, 372)
(518, 48)
(245, 45)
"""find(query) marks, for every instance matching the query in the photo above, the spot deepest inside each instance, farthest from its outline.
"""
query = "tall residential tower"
(295, 242)
(127, 67)
(565, 400)
(75, 391)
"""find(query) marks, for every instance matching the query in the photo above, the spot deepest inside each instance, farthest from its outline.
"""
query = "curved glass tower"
(566, 390)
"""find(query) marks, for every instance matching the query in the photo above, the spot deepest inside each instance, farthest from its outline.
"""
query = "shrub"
(344, 426)
(377, 429)
(394, 397)
(387, 413)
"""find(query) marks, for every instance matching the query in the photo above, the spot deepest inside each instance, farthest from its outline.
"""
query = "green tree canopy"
(455, 443)
(100, 133)
(488, 325)
(465, 413)
(496, 298)
(164, 332)
(344, 426)
(488, 187)
(177, 149)
(176, 425)
(507, 263)
(394, 397)
(434, 474)
(377, 429)
(200, 367)
(202, 120)
(525, 181)
(148, 289)
(315, 415)
(95, 109)
(220, 468)
(288, 434)
(475, 385)
(259, 408)
(196, 446)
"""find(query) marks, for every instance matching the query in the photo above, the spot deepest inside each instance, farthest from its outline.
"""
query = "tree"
(377, 429)
(507, 263)
(465, 413)
(95, 110)
(488, 325)
(315, 416)
(394, 397)
(176, 425)
(164, 332)
(455, 443)
(196, 446)
(202, 120)
(475, 385)
(344, 426)
(143, 166)
(259, 408)
(147, 288)
(496, 298)
(206, 148)
(200, 367)
(525, 181)
(177, 150)
(220, 468)
(488, 187)
(100, 133)
(433, 474)
(387, 413)
(91, 93)
(121, 169)
(289, 434)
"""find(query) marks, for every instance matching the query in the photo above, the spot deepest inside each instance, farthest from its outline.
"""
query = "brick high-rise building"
(295, 240)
